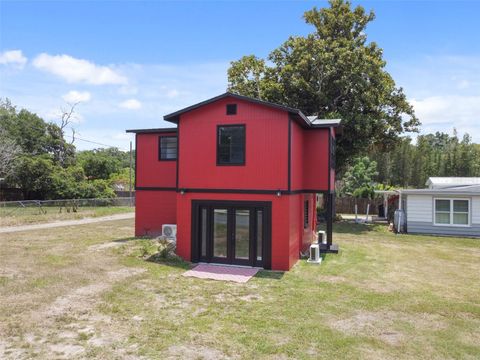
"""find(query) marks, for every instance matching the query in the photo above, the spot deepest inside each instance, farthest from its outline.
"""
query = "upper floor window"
(231, 145)
(452, 212)
(167, 148)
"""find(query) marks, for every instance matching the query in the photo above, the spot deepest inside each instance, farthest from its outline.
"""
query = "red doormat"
(225, 273)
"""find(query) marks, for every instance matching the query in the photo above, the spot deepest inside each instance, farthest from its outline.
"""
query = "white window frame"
(452, 212)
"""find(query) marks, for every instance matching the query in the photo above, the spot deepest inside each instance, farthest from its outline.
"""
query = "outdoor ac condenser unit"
(169, 231)
(314, 254)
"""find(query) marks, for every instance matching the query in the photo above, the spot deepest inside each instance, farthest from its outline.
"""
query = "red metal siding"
(266, 157)
(284, 251)
(151, 172)
(153, 209)
(297, 157)
(266, 168)
(316, 154)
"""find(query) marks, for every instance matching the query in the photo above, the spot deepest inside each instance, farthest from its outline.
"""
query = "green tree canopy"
(35, 136)
(100, 163)
(359, 178)
(332, 72)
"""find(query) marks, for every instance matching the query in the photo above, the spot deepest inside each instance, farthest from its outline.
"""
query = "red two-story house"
(239, 177)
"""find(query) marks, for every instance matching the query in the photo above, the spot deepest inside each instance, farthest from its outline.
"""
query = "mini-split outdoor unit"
(169, 231)
(314, 254)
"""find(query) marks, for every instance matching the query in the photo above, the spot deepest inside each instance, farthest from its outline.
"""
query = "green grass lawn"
(34, 215)
(96, 295)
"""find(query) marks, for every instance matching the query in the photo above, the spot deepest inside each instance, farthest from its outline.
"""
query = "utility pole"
(130, 185)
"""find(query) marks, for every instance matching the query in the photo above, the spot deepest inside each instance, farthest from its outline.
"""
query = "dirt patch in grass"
(386, 325)
(332, 279)
(83, 298)
(195, 352)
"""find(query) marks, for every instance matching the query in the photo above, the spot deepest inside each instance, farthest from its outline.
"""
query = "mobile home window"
(452, 212)
(167, 148)
(231, 145)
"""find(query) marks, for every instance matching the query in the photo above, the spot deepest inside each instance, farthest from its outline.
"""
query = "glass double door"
(232, 234)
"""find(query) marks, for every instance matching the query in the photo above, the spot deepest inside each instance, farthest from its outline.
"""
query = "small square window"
(167, 148)
(231, 109)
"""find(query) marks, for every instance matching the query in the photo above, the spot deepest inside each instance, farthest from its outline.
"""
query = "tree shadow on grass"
(350, 227)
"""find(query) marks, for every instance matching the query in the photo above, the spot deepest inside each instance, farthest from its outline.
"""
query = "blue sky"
(131, 62)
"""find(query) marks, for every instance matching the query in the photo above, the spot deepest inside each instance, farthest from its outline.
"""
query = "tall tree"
(9, 152)
(359, 178)
(332, 72)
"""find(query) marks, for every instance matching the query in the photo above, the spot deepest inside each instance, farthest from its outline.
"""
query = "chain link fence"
(29, 211)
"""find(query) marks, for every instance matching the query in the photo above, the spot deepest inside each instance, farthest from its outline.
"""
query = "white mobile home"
(449, 206)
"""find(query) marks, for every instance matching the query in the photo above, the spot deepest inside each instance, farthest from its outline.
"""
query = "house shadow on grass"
(269, 274)
(171, 261)
(125, 240)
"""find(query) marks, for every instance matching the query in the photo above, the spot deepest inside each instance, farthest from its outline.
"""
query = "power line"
(93, 142)
(76, 137)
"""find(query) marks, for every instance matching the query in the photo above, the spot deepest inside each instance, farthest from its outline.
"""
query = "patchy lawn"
(87, 292)
(34, 215)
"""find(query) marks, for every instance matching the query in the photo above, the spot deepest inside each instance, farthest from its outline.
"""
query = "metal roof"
(296, 113)
(459, 190)
(444, 182)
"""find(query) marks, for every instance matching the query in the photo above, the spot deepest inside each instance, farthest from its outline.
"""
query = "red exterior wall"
(150, 172)
(266, 148)
(297, 156)
(288, 235)
(316, 151)
(152, 210)
(284, 248)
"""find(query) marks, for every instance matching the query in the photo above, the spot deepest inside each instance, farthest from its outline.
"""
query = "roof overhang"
(152, 131)
(439, 192)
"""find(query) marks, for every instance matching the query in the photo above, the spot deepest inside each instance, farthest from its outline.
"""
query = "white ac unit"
(169, 231)
(322, 237)
(314, 254)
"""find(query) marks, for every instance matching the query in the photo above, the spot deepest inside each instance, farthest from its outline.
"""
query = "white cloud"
(131, 104)
(172, 93)
(463, 84)
(78, 70)
(443, 113)
(13, 57)
(74, 96)
(128, 90)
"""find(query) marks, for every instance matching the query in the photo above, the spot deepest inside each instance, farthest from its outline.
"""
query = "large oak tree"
(333, 72)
